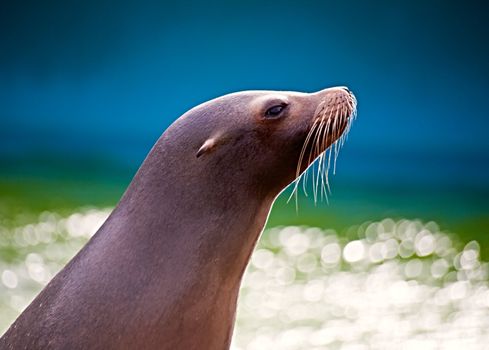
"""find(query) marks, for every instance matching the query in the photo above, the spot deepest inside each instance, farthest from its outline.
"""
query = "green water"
(464, 212)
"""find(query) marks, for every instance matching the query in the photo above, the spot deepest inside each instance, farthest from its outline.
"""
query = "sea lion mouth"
(328, 132)
(332, 121)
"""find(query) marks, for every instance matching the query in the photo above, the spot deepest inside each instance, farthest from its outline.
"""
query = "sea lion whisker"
(312, 155)
(322, 135)
(333, 121)
(326, 172)
(313, 151)
(335, 144)
(323, 169)
(349, 116)
(299, 175)
(325, 180)
(327, 153)
(320, 152)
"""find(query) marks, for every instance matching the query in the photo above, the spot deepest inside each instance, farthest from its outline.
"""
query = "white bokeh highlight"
(395, 285)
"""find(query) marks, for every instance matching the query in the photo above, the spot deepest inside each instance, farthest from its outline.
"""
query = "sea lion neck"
(218, 221)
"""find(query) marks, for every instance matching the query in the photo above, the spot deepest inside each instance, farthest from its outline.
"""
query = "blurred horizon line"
(466, 171)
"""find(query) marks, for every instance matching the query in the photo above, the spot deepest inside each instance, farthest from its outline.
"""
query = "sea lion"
(164, 270)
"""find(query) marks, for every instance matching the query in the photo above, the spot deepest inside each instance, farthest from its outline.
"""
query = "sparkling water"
(393, 285)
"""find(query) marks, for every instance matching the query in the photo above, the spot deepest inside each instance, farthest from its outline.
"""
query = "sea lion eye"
(274, 112)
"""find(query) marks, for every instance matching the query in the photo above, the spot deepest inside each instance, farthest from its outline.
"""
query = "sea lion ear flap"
(206, 147)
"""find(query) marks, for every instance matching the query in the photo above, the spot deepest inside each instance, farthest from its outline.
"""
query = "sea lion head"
(265, 140)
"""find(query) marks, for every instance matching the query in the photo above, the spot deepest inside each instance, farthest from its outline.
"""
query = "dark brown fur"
(164, 270)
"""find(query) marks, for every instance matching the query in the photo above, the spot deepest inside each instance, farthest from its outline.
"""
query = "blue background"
(86, 87)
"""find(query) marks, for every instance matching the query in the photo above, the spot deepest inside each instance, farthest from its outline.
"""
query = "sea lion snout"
(337, 102)
(336, 109)
(330, 123)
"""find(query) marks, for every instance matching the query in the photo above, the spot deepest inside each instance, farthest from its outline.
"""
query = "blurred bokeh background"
(86, 88)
